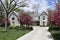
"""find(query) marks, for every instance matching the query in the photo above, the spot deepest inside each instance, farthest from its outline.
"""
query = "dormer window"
(13, 18)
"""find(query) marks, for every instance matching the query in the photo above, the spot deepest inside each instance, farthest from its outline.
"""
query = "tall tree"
(36, 11)
(36, 8)
(1, 13)
(55, 18)
(50, 12)
(9, 6)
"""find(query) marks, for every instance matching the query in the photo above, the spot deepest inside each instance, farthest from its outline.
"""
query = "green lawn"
(12, 34)
(55, 31)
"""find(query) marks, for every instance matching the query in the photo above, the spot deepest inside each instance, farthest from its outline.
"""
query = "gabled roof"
(12, 13)
(43, 13)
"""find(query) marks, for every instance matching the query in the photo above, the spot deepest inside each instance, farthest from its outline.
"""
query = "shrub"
(20, 28)
(56, 34)
(14, 27)
(29, 28)
(53, 27)
(25, 28)
(10, 27)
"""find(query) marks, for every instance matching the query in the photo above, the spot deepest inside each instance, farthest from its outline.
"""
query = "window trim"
(43, 17)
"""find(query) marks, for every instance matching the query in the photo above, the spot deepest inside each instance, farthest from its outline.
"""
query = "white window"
(43, 17)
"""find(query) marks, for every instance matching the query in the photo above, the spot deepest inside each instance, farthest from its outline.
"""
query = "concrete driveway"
(38, 33)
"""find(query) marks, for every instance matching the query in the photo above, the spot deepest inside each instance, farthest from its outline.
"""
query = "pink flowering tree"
(55, 18)
(25, 19)
(3, 22)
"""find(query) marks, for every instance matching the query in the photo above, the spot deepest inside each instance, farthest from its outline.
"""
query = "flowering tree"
(55, 18)
(3, 22)
(25, 19)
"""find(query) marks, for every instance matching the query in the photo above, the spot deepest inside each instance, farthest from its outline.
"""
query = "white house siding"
(16, 22)
(41, 20)
(36, 17)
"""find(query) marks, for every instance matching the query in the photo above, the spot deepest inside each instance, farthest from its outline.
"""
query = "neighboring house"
(38, 19)
(13, 18)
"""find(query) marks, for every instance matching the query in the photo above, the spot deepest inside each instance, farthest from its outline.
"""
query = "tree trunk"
(6, 19)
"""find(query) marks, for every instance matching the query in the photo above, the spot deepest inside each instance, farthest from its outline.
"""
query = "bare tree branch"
(2, 4)
(10, 4)
(9, 7)
(22, 2)
(12, 8)
(15, 5)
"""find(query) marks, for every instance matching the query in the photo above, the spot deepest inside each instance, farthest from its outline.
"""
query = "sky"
(43, 5)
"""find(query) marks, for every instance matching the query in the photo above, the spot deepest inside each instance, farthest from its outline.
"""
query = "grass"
(12, 34)
(55, 32)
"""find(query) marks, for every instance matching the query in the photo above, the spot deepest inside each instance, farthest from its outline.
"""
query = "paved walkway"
(39, 33)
